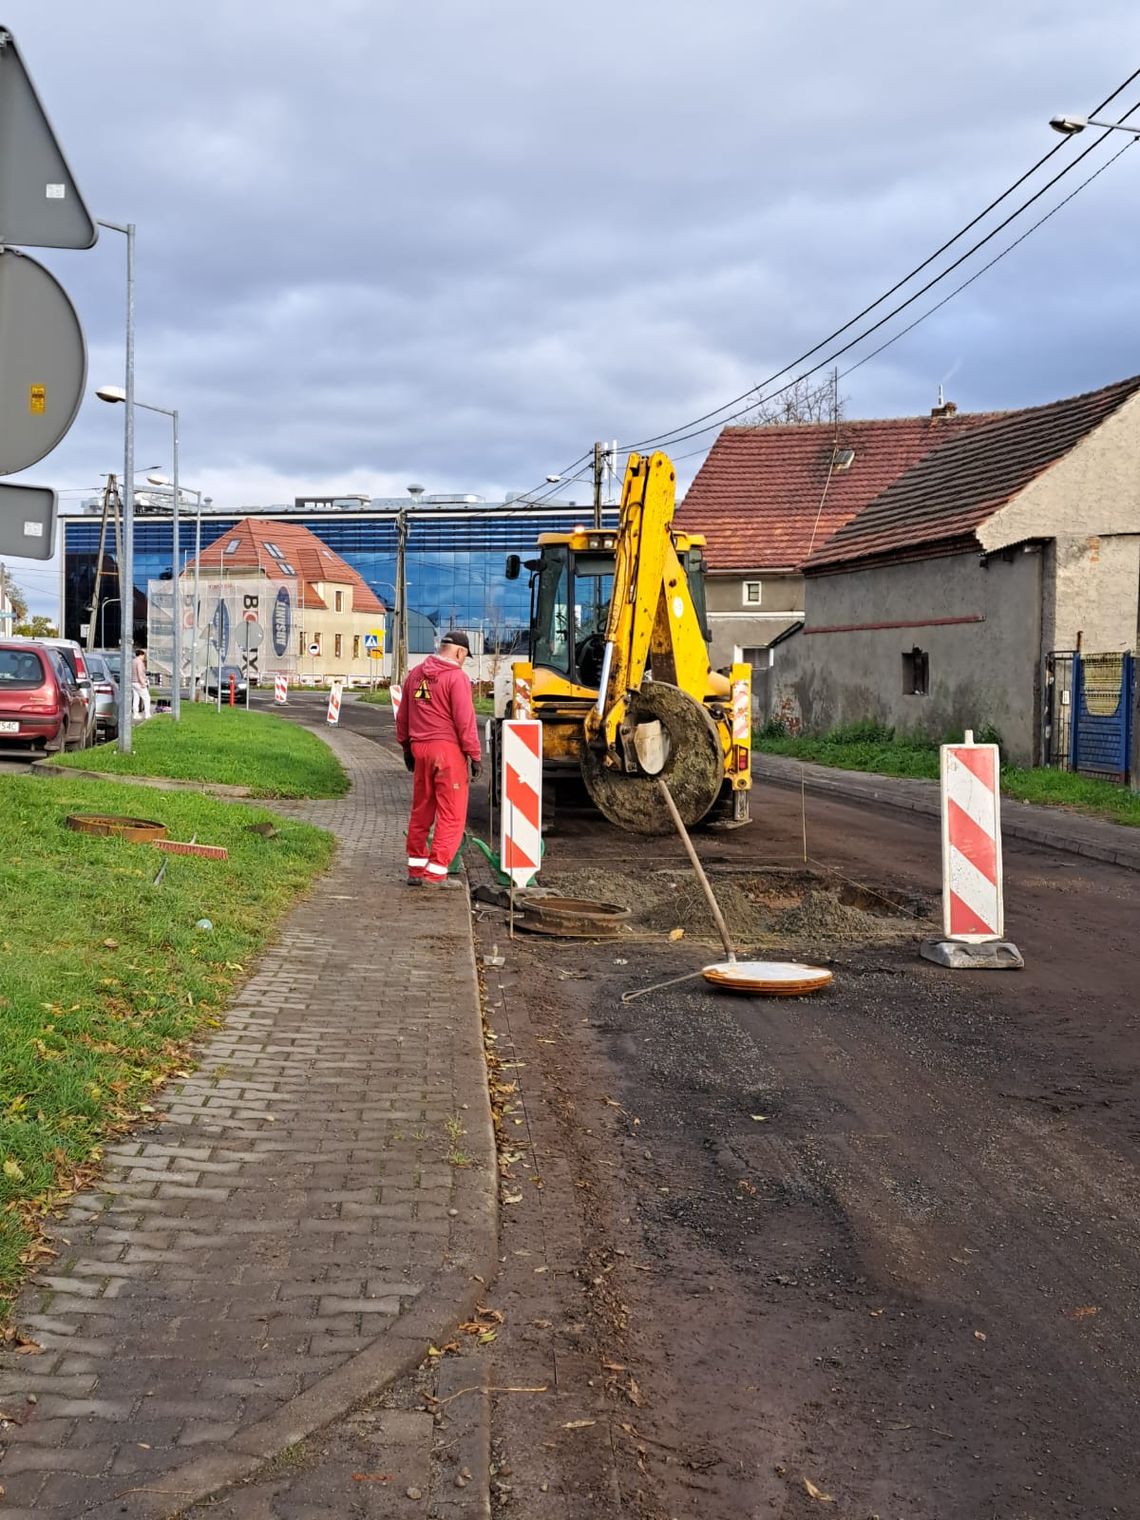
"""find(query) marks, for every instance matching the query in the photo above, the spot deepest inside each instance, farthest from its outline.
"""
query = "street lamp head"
(553, 480)
(158, 480)
(111, 393)
(1068, 126)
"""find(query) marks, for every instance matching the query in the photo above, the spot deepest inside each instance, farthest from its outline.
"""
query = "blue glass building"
(455, 558)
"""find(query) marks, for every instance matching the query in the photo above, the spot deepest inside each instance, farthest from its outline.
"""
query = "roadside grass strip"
(267, 753)
(382, 697)
(105, 980)
(872, 748)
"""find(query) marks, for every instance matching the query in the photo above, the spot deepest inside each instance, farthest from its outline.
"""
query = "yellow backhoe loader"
(618, 669)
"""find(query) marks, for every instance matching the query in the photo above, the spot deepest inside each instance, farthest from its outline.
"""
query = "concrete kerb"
(1093, 838)
(220, 789)
(460, 1285)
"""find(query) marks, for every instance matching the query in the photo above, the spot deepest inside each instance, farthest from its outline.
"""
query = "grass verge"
(868, 747)
(269, 754)
(104, 977)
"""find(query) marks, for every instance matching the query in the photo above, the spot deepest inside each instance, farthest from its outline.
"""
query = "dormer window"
(842, 459)
(233, 546)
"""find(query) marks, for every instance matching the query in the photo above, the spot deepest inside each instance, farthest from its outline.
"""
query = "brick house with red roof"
(767, 497)
(335, 608)
(933, 607)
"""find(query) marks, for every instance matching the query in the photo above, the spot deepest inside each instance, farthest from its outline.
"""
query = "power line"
(949, 243)
(694, 430)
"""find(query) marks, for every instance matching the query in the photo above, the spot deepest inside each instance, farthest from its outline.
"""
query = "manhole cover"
(570, 917)
(137, 830)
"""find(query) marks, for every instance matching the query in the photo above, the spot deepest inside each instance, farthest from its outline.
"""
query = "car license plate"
(8, 727)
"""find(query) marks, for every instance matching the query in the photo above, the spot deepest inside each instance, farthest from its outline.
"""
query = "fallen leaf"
(614, 1366)
(676, 934)
(512, 1197)
(979, 1335)
(14, 1170)
(817, 1493)
(372, 1477)
(110, 944)
(634, 1393)
(1086, 1311)
(578, 1424)
(759, 1118)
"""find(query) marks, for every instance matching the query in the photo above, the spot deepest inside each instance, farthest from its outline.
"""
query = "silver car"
(105, 687)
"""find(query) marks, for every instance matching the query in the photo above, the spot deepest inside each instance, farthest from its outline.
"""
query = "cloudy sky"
(452, 243)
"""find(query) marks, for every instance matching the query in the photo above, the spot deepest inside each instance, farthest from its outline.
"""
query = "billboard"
(248, 625)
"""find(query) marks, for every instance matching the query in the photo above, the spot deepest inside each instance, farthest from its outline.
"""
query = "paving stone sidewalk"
(291, 1235)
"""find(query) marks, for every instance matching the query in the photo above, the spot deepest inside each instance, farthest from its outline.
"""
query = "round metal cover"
(43, 362)
(767, 978)
(137, 830)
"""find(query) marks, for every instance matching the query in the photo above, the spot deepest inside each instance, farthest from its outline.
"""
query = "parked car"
(210, 683)
(73, 654)
(41, 704)
(105, 685)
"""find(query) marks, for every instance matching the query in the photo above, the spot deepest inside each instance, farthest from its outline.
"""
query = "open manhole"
(137, 830)
(777, 905)
(569, 917)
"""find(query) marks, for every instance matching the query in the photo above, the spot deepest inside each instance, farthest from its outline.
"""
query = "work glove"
(409, 758)
(476, 769)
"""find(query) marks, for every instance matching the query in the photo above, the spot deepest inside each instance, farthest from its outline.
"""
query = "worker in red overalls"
(436, 726)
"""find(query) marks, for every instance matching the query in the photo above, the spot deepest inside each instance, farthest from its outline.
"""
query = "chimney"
(944, 409)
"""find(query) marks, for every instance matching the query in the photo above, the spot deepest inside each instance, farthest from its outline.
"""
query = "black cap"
(457, 637)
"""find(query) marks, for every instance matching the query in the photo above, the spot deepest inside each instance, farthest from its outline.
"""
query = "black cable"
(839, 331)
(679, 435)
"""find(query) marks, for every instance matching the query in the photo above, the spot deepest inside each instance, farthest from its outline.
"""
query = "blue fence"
(1103, 687)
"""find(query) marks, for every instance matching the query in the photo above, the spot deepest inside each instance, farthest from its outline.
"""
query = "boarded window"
(915, 673)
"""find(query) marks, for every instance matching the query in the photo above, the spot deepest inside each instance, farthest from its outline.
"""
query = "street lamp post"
(127, 566)
(115, 393)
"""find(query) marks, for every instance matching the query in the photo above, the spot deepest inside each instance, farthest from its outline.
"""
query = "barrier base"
(963, 955)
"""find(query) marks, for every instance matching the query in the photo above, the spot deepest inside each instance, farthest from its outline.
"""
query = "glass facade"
(455, 562)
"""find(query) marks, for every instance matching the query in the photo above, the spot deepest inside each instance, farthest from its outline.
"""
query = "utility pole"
(5, 618)
(401, 595)
(599, 469)
(110, 499)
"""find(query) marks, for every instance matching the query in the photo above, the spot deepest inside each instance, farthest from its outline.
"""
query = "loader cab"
(571, 586)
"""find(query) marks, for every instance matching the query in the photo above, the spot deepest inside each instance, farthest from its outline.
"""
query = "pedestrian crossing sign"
(374, 641)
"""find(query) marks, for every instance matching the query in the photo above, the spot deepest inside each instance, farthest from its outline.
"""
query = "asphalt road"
(871, 1254)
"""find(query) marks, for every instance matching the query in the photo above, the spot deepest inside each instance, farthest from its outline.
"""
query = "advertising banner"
(247, 626)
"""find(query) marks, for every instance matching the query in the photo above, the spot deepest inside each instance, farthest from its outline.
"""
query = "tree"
(803, 401)
(17, 601)
(37, 627)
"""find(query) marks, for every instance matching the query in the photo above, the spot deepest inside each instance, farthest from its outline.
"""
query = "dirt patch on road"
(798, 909)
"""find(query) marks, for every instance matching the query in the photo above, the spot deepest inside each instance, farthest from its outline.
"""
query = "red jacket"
(437, 706)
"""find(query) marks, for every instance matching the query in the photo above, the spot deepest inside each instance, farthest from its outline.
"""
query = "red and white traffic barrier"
(396, 691)
(333, 714)
(972, 905)
(280, 688)
(520, 845)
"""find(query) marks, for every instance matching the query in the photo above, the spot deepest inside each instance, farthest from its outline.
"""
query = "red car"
(41, 704)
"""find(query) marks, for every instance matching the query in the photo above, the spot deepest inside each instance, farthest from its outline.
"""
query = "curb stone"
(1052, 829)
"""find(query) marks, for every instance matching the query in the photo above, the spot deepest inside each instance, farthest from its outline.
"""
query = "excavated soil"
(764, 909)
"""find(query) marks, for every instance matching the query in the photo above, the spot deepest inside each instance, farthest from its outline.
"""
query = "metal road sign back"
(43, 359)
(27, 521)
(40, 204)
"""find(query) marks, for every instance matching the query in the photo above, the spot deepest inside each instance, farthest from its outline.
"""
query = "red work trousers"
(439, 797)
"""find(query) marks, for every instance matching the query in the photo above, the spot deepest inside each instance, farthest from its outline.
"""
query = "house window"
(916, 673)
(338, 644)
(759, 659)
(356, 646)
(301, 643)
(751, 594)
(274, 550)
(233, 546)
(339, 602)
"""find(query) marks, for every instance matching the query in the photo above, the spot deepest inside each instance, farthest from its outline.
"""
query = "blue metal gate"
(1102, 714)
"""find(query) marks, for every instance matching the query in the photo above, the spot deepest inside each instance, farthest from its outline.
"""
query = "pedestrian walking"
(140, 687)
(436, 727)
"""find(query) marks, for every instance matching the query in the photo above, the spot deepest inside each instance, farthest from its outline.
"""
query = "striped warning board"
(520, 848)
(333, 714)
(280, 688)
(972, 907)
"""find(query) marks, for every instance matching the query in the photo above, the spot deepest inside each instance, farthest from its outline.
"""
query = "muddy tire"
(693, 772)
